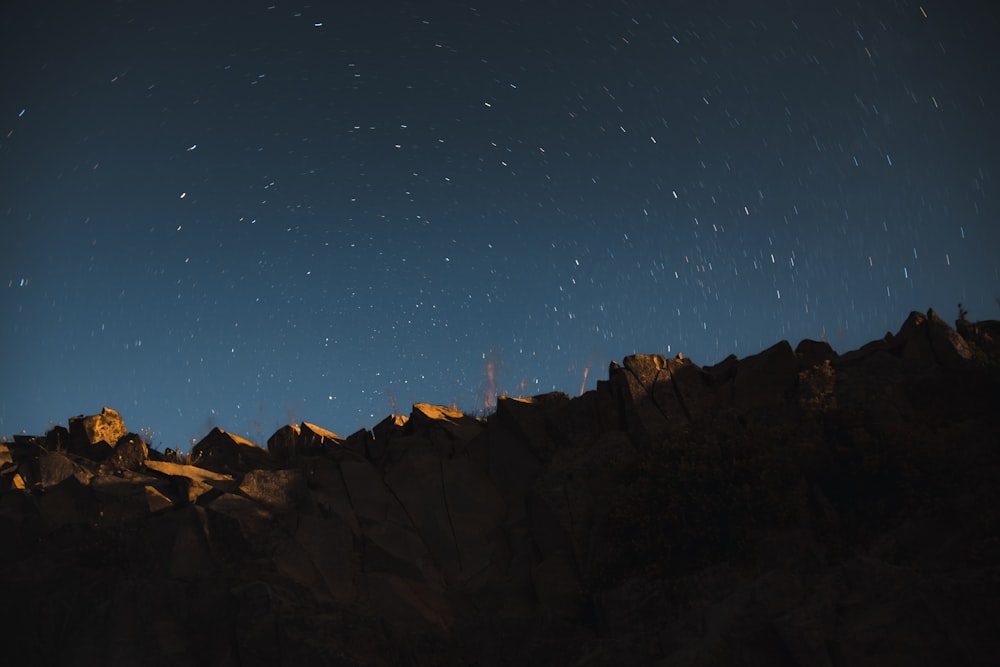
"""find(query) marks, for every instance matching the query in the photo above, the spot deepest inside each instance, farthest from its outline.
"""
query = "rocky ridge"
(795, 507)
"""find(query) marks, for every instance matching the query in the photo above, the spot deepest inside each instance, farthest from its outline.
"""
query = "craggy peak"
(793, 507)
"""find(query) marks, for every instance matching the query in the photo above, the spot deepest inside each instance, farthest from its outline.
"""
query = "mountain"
(794, 507)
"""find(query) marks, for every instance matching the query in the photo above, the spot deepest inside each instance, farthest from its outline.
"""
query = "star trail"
(249, 214)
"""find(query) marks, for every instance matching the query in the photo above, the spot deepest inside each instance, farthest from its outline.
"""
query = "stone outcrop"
(227, 452)
(793, 507)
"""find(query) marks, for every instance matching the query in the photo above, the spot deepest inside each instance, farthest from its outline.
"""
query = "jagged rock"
(58, 439)
(193, 473)
(285, 442)
(129, 454)
(927, 339)
(226, 452)
(445, 428)
(632, 385)
(382, 435)
(51, 468)
(11, 480)
(278, 490)
(370, 498)
(329, 493)
(766, 379)
(68, 502)
(95, 436)
(813, 353)
(359, 442)
(305, 440)
(192, 482)
(578, 423)
(723, 372)
(122, 496)
(527, 419)
(257, 525)
(155, 500)
(677, 388)
(315, 439)
(646, 368)
(588, 531)
(948, 346)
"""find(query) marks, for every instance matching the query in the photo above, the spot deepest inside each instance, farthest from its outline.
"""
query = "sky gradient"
(246, 214)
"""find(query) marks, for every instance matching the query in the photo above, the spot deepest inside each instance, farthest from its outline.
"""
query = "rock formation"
(795, 507)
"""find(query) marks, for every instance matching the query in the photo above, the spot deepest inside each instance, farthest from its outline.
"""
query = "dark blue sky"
(249, 213)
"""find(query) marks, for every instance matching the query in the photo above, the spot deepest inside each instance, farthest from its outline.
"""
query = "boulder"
(227, 452)
(58, 439)
(51, 468)
(122, 497)
(130, 453)
(94, 436)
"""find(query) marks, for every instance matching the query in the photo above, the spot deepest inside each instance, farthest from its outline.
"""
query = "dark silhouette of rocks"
(795, 507)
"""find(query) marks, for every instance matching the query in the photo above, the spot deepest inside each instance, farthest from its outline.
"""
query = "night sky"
(246, 214)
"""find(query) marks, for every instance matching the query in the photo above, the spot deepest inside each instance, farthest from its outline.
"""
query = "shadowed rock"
(95, 436)
(795, 508)
(227, 452)
(130, 453)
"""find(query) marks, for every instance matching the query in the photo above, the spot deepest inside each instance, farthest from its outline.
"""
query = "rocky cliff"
(795, 507)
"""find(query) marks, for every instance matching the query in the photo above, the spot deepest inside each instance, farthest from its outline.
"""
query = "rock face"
(794, 507)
